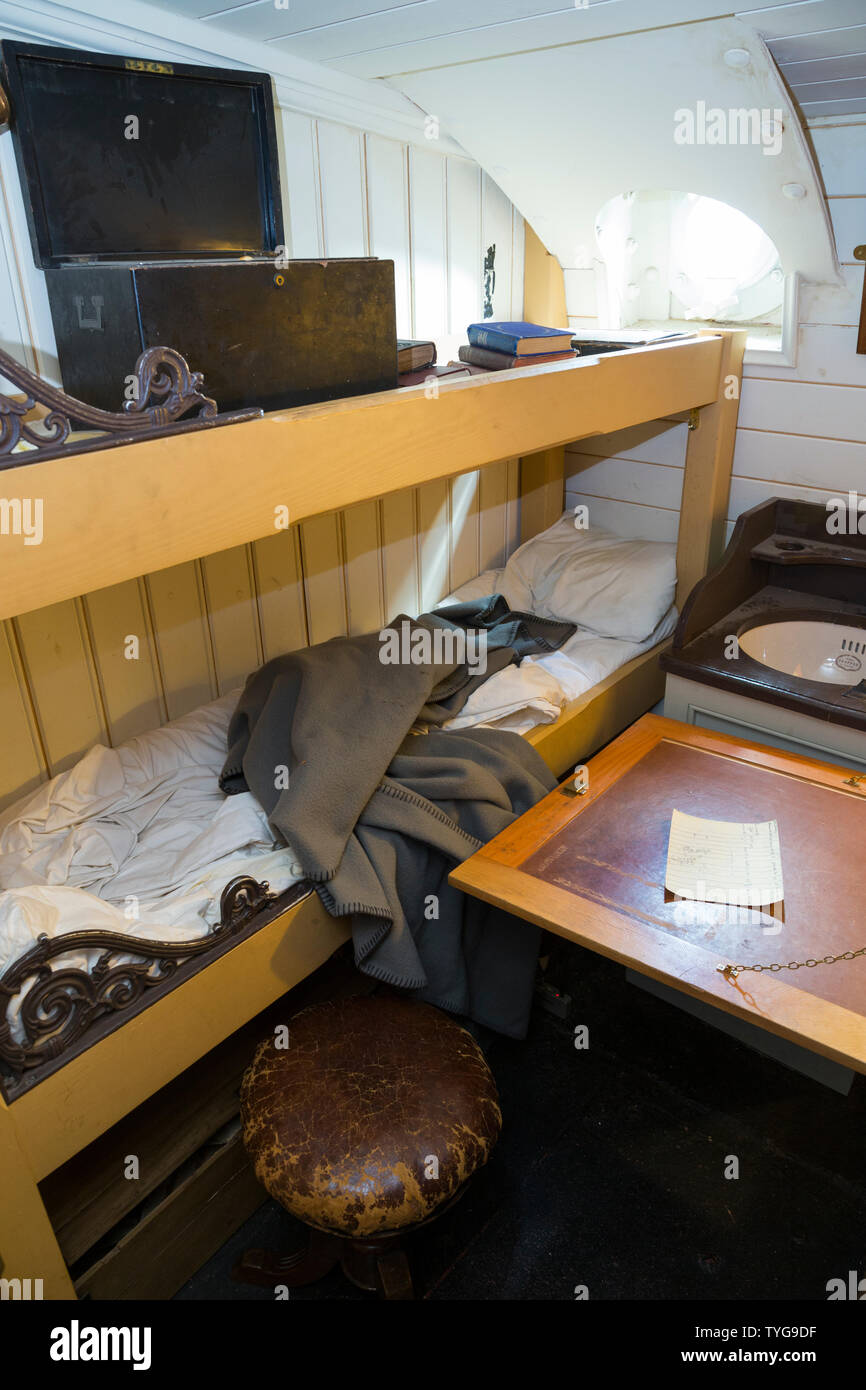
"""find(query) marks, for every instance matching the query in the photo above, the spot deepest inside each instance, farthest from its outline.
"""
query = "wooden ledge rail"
(115, 514)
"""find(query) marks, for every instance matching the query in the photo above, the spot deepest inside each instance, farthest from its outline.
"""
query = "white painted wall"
(802, 430)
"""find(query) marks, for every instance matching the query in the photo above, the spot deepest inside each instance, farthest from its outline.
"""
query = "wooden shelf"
(113, 514)
(782, 549)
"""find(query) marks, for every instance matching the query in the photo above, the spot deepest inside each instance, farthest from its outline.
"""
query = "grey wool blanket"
(377, 814)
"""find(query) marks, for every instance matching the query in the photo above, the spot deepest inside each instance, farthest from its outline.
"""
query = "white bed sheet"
(137, 839)
(537, 691)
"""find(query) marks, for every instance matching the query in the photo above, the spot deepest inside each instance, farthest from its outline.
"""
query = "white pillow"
(615, 587)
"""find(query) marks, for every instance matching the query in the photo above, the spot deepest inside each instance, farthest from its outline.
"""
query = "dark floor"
(610, 1169)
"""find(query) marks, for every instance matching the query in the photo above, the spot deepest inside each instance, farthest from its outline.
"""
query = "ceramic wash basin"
(813, 650)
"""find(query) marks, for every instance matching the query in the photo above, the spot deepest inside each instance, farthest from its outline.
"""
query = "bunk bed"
(129, 1029)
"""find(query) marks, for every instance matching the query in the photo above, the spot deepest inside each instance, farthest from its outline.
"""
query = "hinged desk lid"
(122, 159)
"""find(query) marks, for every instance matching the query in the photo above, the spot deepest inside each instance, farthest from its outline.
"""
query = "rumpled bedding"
(137, 839)
(537, 691)
(140, 840)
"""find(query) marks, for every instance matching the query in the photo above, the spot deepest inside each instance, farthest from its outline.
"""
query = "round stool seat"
(372, 1117)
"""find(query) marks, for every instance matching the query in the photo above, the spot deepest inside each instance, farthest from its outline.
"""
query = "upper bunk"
(114, 513)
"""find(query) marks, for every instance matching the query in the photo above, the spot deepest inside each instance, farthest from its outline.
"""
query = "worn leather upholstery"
(374, 1115)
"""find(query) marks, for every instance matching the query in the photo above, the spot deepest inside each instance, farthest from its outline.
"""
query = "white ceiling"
(820, 45)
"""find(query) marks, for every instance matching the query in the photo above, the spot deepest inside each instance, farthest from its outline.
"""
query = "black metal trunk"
(262, 334)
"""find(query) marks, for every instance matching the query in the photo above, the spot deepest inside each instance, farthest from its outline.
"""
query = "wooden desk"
(591, 868)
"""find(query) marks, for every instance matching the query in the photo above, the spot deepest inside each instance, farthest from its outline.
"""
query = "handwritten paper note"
(718, 861)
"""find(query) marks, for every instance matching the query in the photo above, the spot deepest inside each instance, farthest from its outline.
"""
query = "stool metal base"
(377, 1264)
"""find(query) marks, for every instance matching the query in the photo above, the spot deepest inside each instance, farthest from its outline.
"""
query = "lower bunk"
(164, 918)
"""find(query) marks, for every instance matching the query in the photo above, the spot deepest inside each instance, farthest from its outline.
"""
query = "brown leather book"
(414, 353)
(493, 361)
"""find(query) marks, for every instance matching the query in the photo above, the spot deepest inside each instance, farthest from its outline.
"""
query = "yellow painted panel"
(233, 616)
(324, 584)
(22, 767)
(125, 661)
(29, 1249)
(434, 541)
(363, 568)
(493, 516)
(59, 669)
(541, 491)
(177, 607)
(400, 553)
(512, 518)
(280, 589)
(465, 539)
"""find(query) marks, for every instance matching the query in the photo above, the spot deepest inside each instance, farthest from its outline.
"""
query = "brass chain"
(732, 971)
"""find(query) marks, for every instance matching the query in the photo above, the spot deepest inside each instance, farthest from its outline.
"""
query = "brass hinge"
(694, 417)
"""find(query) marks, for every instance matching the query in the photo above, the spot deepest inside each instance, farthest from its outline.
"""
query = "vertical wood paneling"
(24, 766)
(493, 547)
(342, 179)
(178, 611)
(434, 541)
(24, 312)
(518, 242)
(400, 562)
(233, 616)
(465, 260)
(388, 218)
(496, 231)
(324, 580)
(363, 568)
(429, 245)
(280, 589)
(129, 682)
(512, 515)
(300, 185)
(465, 529)
(15, 335)
(59, 670)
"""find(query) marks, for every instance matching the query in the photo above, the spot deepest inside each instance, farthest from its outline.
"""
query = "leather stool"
(366, 1126)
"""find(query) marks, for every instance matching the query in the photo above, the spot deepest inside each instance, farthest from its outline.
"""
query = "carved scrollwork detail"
(164, 389)
(62, 1002)
(241, 899)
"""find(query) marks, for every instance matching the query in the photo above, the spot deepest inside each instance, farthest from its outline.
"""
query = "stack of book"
(497, 346)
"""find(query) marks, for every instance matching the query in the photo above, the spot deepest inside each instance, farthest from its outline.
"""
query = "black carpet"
(610, 1173)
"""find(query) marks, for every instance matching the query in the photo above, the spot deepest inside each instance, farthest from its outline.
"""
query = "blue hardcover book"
(519, 339)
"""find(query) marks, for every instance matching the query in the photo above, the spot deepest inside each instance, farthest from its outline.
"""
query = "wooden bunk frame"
(140, 496)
